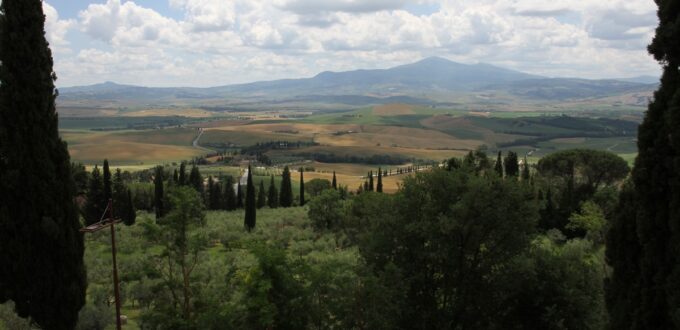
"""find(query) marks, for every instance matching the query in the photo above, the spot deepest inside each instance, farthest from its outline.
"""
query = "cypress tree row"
(498, 167)
(41, 263)
(302, 187)
(107, 181)
(96, 204)
(643, 243)
(379, 186)
(273, 198)
(261, 196)
(158, 195)
(334, 184)
(286, 194)
(249, 221)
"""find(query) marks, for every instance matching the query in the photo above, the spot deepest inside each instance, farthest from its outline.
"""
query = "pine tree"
(195, 179)
(286, 194)
(302, 187)
(644, 290)
(251, 211)
(182, 179)
(41, 263)
(158, 197)
(96, 204)
(498, 167)
(129, 216)
(379, 187)
(511, 165)
(273, 198)
(261, 196)
(108, 194)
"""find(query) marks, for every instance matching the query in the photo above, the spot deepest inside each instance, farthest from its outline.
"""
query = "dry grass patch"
(119, 152)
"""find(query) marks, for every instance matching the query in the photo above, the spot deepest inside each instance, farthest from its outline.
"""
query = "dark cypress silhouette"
(96, 204)
(644, 289)
(214, 195)
(334, 184)
(120, 197)
(249, 221)
(379, 186)
(261, 196)
(286, 194)
(239, 194)
(511, 165)
(195, 179)
(273, 195)
(175, 176)
(230, 203)
(107, 181)
(302, 187)
(130, 215)
(158, 192)
(41, 263)
(371, 185)
(498, 167)
(182, 179)
(526, 174)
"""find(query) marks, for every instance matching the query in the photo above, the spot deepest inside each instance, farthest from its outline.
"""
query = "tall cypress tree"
(195, 179)
(108, 192)
(119, 195)
(498, 167)
(644, 290)
(158, 195)
(334, 184)
(261, 196)
(511, 165)
(526, 175)
(41, 263)
(175, 176)
(379, 186)
(302, 187)
(239, 195)
(286, 194)
(371, 185)
(230, 203)
(96, 203)
(251, 211)
(273, 195)
(129, 214)
(182, 178)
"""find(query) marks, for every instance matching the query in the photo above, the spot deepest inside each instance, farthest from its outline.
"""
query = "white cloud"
(218, 42)
(55, 28)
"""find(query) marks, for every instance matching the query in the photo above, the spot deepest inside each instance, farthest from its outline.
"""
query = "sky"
(201, 43)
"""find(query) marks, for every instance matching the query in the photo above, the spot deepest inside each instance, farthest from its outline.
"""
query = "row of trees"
(102, 188)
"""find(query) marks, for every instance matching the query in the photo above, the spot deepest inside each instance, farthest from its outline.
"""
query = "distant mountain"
(642, 79)
(411, 82)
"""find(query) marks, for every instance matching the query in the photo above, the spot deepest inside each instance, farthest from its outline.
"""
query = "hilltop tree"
(644, 290)
(286, 194)
(273, 198)
(107, 181)
(41, 264)
(96, 204)
(379, 187)
(511, 165)
(334, 184)
(498, 167)
(195, 179)
(158, 192)
(182, 179)
(302, 187)
(261, 196)
(251, 207)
